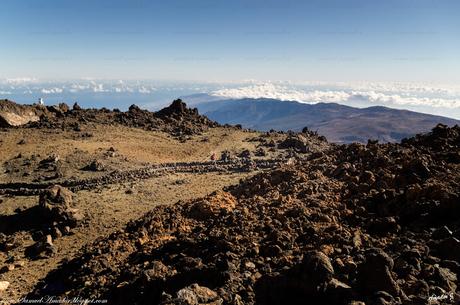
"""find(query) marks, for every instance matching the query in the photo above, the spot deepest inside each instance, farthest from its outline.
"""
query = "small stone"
(368, 177)
(7, 268)
(357, 241)
(42, 247)
(413, 192)
(271, 250)
(158, 270)
(56, 233)
(237, 300)
(94, 166)
(249, 265)
(4, 285)
(327, 249)
(49, 240)
(336, 284)
(195, 294)
(384, 225)
(19, 264)
(445, 278)
(66, 230)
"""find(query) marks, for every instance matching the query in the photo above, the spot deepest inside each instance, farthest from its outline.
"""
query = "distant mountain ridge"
(337, 122)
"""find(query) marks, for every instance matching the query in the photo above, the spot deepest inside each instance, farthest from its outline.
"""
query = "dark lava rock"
(317, 268)
(449, 248)
(260, 152)
(445, 278)
(297, 142)
(245, 154)
(374, 274)
(225, 156)
(384, 225)
(43, 248)
(94, 166)
(177, 107)
(76, 107)
(175, 119)
(321, 230)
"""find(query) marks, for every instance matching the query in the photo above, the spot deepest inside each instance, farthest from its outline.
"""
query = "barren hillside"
(171, 208)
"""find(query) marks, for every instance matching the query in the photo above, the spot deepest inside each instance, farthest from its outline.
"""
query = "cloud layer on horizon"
(371, 95)
(429, 98)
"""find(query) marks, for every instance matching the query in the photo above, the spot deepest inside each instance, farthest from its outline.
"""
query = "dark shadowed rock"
(317, 268)
(374, 274)
(76, 107)
(177, 107)
(94, 166)
(449, 248)
(441, 233)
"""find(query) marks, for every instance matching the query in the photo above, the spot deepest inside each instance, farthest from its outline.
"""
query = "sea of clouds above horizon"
(438, 99)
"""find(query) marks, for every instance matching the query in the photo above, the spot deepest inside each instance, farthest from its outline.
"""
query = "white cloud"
(144, 90)
(396, 99)
(370, 95)
(98, 87)
(281, 92)
(78, 87)
(20, 80)
(51, 90)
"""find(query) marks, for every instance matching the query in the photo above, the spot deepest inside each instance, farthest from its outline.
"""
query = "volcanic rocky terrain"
(169, 207)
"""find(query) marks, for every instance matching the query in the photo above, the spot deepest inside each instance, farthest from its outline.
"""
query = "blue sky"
(216, 40)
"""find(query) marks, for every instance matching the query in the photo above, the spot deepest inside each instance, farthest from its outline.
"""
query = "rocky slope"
(176, 119)
(117, 171)
(349, 224)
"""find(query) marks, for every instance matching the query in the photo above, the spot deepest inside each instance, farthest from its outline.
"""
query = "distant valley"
(337, 122)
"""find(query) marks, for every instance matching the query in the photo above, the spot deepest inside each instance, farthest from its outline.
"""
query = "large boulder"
(317, 268)
(178, 107)
(375, 275)
(449, 248)
(296, 142)
(60, 110)
(12, 114)
(56, 205)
